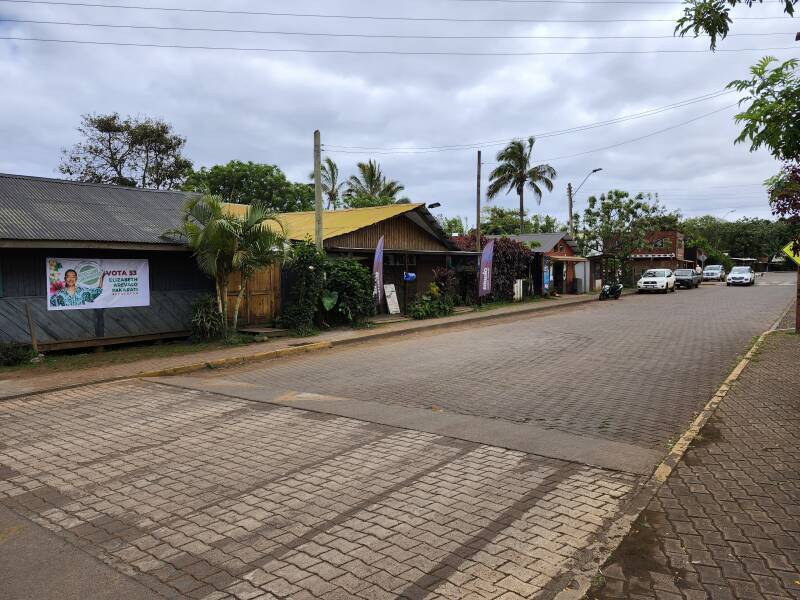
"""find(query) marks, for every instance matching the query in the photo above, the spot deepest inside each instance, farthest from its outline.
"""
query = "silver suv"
(714, 273)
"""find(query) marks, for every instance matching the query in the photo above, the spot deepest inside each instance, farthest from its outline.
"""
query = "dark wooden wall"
(174, 282)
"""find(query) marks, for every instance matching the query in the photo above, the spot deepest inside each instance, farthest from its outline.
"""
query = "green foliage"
(331, 186)
(712, 17)
(370, 187)
(430, 305)
(496, 220)
(453, 225)
(12, 355)
(206, 319)
(784, 196)
(447, 282)
(515, 172)
(306, 270)
(615, 225)
(772, 118)
(224, 243)
(134, 152)
(249, 183)
(348, 296)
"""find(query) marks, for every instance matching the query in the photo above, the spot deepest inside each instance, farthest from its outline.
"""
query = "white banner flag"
(80, 283)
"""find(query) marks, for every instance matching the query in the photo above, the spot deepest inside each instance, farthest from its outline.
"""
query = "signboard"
(702, 257)
(787, 250)
(485, 274)
(83, 283)
(377, 272)
(391, 299)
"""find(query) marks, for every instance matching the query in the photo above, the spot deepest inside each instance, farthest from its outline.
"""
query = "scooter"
(611, 290)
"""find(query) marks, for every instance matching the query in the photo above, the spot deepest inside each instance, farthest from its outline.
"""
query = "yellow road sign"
(788, 252)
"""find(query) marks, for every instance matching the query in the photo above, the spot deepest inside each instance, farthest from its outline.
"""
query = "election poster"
(83, 283)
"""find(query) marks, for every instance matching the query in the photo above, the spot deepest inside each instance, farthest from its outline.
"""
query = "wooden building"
(44, 218)
(414, 242)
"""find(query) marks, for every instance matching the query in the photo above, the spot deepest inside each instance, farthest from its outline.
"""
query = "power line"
(371, 35)
(380, 52)
(350, 17)
(475, 145)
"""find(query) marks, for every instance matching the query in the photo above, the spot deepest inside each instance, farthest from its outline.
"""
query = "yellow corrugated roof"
(300, 225)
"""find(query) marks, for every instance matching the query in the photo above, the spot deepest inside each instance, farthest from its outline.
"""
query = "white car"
(656, 280)
(741, 276)
(714, 273)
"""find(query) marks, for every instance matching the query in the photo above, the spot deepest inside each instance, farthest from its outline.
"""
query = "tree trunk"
(521, 211)
(236, 306)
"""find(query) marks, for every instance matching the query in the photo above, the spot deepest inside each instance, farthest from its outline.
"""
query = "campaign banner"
(83, 283)
(377, 273)
(485, 275)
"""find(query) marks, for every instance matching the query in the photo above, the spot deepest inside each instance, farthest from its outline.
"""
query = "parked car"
(656, 280)
(688, 278)
(714, 273)
(741, 276)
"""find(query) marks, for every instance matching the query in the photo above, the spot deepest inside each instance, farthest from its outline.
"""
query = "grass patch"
(69, 360)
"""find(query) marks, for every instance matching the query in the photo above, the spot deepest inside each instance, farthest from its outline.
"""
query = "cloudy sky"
(581, 64)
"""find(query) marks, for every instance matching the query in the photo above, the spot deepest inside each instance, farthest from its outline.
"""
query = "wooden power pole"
(569, 210)
(318, 190)
(478, 208)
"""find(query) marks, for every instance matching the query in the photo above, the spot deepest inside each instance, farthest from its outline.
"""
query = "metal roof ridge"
(89, 184)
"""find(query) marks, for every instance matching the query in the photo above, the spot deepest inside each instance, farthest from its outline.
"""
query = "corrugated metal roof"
(300, 225)
(38, 208)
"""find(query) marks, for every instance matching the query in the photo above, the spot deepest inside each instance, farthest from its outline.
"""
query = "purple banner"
(485, 275)
(377, 273)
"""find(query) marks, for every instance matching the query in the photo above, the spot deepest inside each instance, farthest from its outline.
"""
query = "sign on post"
(787, 250)
(86, 283)
(702, 258)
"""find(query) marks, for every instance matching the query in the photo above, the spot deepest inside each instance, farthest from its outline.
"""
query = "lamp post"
(571, 194)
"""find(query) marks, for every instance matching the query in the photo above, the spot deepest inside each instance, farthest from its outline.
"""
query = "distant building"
(664, 250)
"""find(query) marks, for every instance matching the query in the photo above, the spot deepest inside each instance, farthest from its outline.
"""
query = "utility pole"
(478, 208)
(569, 210)
(318, 190)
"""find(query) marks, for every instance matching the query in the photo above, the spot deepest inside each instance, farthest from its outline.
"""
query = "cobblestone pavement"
(726, 524)
(204, 496)
(633, 371)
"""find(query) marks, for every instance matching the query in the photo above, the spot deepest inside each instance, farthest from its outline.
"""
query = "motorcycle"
(611, 290)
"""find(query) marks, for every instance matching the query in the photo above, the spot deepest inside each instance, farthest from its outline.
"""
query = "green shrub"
(431, 305)
(447, 282)
(348, 296)
(306, 272)
(206, 320)
(12, 355)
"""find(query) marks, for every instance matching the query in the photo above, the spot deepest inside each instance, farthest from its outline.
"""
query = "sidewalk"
(726, 524)
(10, 388)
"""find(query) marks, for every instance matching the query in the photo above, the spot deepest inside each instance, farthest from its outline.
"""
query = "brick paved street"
(727, 522)
(634, 371)
(211, 497)
(202, 495)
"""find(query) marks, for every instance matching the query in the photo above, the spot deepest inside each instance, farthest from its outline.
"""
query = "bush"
(431, 305)
(12, 355)
(207, 322)
(348, 296)
(306, 267)
(511, 262)
(447, 282)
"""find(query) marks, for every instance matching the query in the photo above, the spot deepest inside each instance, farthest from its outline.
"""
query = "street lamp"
(571, 194)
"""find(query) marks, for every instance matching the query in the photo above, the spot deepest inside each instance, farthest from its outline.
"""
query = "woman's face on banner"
(70, 279)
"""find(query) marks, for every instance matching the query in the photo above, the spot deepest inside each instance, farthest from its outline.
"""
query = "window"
(664, 242)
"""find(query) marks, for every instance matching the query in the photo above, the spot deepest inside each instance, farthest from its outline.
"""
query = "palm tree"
(224, 243)
(515, 171)
(371, 184)
(331, 186)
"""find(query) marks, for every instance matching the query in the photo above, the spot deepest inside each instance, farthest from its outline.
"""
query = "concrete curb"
(601, 549)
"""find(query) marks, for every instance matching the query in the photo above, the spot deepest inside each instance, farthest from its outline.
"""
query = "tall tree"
(712, 17)
(331, 186)
(614, 225)
(134, 152)
(452, 225)
(249, 183)
(371, 187)
(515, 172)
(224, 243)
